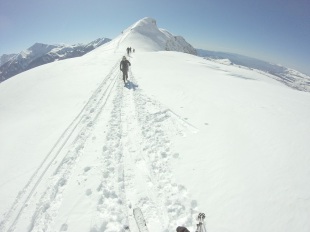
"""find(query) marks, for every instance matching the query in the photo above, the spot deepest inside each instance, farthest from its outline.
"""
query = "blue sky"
(273, 30)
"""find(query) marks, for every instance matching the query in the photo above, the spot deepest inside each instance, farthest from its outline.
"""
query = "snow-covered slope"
(288, 76)
(79, 150)
(40, 54)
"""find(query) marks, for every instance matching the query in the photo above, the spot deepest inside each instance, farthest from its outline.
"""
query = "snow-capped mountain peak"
(145, 26)
(33, 52)
(40, 48)
(152, 38)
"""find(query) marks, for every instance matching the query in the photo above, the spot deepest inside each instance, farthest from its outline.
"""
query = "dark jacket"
(124, 65)
(182, 229)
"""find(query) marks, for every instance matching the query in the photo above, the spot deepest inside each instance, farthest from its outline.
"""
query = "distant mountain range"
(289, 77)
(39, 54)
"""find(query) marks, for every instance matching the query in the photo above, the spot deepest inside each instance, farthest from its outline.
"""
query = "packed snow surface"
(80, 150)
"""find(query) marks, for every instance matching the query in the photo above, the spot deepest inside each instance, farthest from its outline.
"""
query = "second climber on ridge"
(124, 66)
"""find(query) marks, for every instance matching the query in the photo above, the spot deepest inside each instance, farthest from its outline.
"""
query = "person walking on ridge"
(124, 66)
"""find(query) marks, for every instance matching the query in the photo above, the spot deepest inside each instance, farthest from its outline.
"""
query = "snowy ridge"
(80, 149)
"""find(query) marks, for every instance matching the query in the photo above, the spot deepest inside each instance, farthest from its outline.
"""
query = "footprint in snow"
(86, 169)
(88, 192)
(64, 227)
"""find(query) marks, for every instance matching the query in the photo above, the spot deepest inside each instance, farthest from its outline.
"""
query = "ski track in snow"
(75, 131)
(133, 165)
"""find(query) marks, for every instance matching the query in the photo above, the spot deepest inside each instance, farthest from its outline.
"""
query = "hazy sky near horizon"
(273, 30)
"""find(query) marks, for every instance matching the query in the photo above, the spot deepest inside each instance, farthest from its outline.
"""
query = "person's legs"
(124, 76)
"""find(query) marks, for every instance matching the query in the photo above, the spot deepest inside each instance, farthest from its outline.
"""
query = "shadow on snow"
(131, 85)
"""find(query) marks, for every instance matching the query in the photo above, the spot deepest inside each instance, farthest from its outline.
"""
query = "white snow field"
(79, 150)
